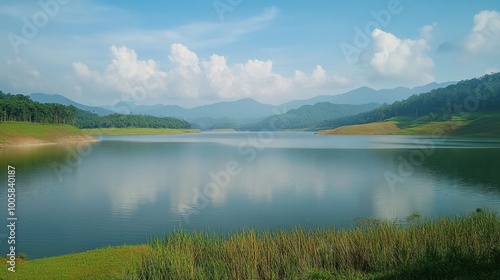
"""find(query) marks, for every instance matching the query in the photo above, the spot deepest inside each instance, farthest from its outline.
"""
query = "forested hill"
(474, 95)
(19, 107)
(308, 116)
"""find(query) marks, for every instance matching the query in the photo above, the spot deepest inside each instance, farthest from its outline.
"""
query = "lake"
(126, 189)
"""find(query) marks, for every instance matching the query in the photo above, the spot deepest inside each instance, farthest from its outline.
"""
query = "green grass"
(481, 125)
(104, 263)
(462, 247)
(466, 247)
(470, 124)
(34, 129)
(138, 131)
(12, 133)
(378, 128)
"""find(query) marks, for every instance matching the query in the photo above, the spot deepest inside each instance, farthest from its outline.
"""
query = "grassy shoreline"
(461, 247)
(471, 124)
(27, 133)
(102, 263)
(31, 134)
(466, 247)
(138, 131)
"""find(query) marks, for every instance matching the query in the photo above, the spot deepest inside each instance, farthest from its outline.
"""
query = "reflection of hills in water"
(31, 156)
(41, 157)
(474, 168)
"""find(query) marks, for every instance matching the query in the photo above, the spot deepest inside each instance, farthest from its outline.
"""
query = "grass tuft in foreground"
(465, 247)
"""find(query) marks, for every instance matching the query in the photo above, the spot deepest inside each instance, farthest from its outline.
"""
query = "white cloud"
(319, 79)
(404, 60)
(190, 77)
(183, 57)
(126, 75)
(484, 38)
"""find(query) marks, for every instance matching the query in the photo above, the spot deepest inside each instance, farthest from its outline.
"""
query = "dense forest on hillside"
(91, 120)
(475, 95)
(18, 107)
(309, 116)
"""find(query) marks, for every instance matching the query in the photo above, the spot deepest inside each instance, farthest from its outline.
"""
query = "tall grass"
(456, 247)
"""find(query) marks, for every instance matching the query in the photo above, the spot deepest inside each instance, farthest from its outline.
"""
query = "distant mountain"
(365, 95)
(218, 115)
(243, 109)
(240, 110)
(248, 111)
(208, 123)
(59, 99)
(309, 116)
(234, 111)
(158, 110)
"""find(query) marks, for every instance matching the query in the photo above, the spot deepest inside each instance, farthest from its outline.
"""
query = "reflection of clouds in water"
(259, 181)
(276, 173)
(175, 171)
(128, 191)
(405, 200)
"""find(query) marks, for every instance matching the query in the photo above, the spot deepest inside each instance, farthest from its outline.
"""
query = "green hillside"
(469, 108)
(308, 116)
(474, 124)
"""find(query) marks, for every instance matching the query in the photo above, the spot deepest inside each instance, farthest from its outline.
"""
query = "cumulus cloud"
(405, 60)
(126, 74)
(484, 37)
(191, 77)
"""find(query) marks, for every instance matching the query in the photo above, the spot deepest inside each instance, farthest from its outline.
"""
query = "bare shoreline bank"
(38, 142)
(25, 134)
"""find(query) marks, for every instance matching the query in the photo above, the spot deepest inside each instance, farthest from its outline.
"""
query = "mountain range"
(59, 99)
(308, 116)
(245, 111)
(365, 95)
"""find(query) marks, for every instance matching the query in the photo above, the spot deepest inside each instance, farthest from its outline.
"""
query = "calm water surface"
(126, 189)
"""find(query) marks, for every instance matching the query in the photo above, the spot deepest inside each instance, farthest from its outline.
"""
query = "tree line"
(18, 107)
(475, 95)
(87, 119)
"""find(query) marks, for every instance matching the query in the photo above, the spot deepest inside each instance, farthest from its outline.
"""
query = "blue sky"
(198, 52)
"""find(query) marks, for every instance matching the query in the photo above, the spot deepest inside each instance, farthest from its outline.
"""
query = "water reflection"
(127, 189)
